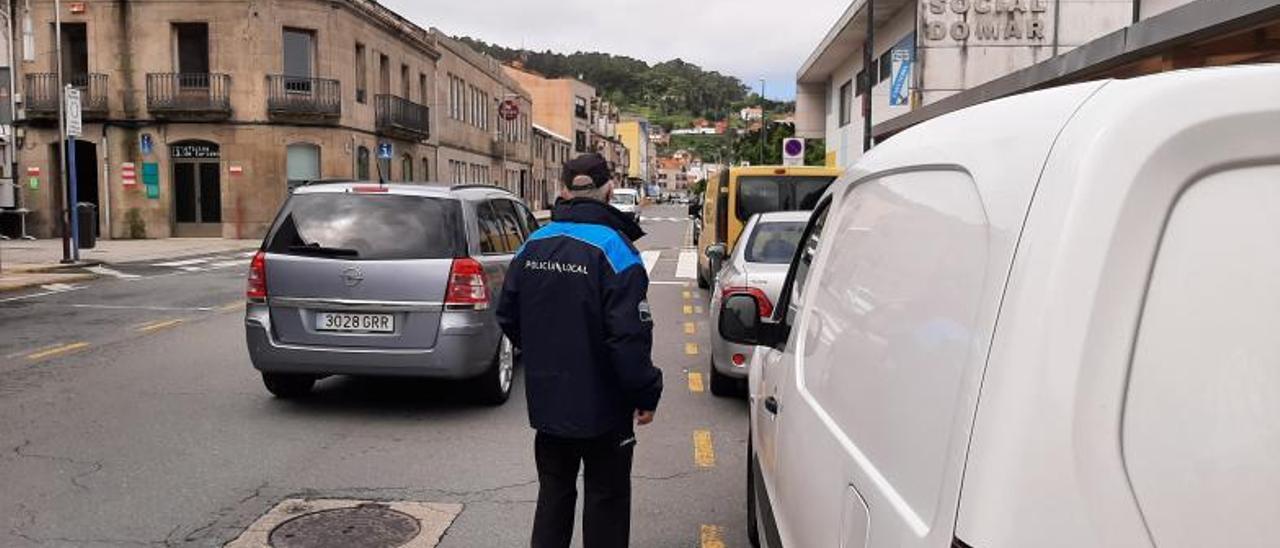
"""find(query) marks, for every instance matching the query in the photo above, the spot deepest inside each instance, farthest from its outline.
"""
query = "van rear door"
(352, 269)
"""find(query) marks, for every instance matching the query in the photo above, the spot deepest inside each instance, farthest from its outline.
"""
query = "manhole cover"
(365, 526)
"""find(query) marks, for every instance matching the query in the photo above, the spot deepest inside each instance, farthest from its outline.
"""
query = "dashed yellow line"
(697, 310)
(688, 309)
(57, 350)
(695, 382)
(691, 349)
(156, 326)
(711, 537)
(688, 294)
(690, 328)
(704, 454)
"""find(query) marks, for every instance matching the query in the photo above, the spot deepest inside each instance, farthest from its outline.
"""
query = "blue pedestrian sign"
(146, 145)
(384, 151)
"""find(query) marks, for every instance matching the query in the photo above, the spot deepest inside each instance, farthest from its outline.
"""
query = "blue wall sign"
(903, 56)
(146, 145)
(384, 151)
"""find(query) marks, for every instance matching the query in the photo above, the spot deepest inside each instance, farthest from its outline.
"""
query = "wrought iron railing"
(399, 115)
(42, 93)
(294, 96)
(188, 92)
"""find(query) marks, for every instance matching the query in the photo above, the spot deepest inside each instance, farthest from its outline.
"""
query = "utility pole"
(68, 253)
(764, 125)
(867, 78)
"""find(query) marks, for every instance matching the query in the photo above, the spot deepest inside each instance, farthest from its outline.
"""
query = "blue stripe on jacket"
(620, 254)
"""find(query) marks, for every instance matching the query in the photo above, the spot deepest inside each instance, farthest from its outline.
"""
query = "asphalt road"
(130, 415)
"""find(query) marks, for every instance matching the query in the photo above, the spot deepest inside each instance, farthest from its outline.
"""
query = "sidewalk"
(38, 262)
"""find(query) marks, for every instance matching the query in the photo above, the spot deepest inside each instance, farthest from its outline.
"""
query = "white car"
(626, 200)
(1048, 320)
(757, 266)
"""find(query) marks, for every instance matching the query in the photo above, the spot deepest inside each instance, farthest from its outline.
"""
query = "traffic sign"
(792, 152)
(147, 145)
(384, 151)
(74, 126)
(509, 110)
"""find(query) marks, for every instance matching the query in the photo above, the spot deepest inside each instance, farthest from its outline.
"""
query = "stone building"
(930, 57)
(550, 151)
(200, 116)
(476, 144)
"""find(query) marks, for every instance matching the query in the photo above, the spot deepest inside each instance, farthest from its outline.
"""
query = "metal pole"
(75, 210)
(867, 78)
(62, 132)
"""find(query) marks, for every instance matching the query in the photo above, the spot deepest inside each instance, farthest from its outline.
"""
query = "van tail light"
(256, 290)
(762, 300)
(468, 286)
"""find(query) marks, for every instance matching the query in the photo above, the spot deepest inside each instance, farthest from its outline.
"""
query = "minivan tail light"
(256, 290)
(762, 300)
(468, 286)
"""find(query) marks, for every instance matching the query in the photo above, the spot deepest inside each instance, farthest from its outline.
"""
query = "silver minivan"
(385, 280)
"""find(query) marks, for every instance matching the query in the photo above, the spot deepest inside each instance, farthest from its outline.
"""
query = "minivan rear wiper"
(326, 251)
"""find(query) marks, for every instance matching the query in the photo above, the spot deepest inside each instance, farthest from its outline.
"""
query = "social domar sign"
(985, 20)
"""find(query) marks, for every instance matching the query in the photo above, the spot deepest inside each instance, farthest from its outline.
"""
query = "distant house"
(750, 114)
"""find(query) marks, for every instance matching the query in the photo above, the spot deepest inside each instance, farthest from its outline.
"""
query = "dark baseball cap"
(591, 165)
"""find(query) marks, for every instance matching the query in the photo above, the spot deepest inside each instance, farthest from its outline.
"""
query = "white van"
(627, 200)
(1044, 321)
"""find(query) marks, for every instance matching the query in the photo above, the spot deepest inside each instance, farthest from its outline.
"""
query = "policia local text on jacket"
(575, 304)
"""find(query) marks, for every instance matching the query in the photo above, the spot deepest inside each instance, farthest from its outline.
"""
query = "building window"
(846, 103)
(423, 97)
(405, 83)
(406, 168)
(426, 169)
(580, 141)
(362, 75)
(362, 163)
(860, 83)
(384, 75)
(886, 66)
(580, 107)
(192, 48)
(75, 52)
(299, 53)
(302, 163)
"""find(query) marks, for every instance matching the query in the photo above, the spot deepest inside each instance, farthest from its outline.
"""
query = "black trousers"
(606, 514)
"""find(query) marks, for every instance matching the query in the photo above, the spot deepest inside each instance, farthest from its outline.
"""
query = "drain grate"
(364, 526)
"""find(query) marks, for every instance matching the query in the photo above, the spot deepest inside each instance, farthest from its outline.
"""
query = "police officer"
(574, 303)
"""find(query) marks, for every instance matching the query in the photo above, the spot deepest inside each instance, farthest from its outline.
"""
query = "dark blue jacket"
(575, 304)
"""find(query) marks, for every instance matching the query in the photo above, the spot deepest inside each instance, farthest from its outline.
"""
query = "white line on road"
(187, 262)
(48, 290)
(147, 308)
(650, 258)
(687, 268)
(226, 264)
(104, 271)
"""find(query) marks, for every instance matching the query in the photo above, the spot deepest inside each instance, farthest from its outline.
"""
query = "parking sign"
(74, 126)
(384, 151)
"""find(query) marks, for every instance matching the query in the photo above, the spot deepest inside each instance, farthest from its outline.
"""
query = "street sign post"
(74, 128)
(792, 151)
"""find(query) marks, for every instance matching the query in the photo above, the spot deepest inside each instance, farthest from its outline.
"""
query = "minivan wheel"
(494, 386)
(288, 386)
(723, 385)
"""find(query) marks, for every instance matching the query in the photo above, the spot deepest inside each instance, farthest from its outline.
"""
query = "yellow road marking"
(712, 537)
(691, 349)
(688, 294)
(57, 350)
(695, 382)
(697, 310)
(704, 455)
(158, 325)
(688, 309)
(690, 328)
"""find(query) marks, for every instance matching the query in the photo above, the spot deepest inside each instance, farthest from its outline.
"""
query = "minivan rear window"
(774, 243)
(368, 227)
(761, 194)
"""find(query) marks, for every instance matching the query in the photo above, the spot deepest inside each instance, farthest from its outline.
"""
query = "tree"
(747, 148)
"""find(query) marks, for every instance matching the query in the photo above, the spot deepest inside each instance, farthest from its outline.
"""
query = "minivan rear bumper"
(465, 348)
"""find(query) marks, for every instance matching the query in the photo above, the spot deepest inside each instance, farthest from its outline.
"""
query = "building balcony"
(402, 118)
(291, 98)
(189, 96)
(41, 95)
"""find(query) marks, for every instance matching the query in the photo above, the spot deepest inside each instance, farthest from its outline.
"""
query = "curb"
(50, 269)
(38, 281)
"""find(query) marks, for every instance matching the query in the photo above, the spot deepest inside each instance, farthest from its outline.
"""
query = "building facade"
(199, 117)
(634, 133)
(931, 57)
(563, 106)
(550, 152)
(476, 144)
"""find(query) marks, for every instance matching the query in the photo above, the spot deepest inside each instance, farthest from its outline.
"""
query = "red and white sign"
(235, 170)
(509, 110)
(33, 171)
(128, 174)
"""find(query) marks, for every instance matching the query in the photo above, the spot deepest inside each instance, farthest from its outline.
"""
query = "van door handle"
(771, 405)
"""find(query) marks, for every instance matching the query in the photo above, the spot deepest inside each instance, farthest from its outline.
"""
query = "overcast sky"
(749, 39)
